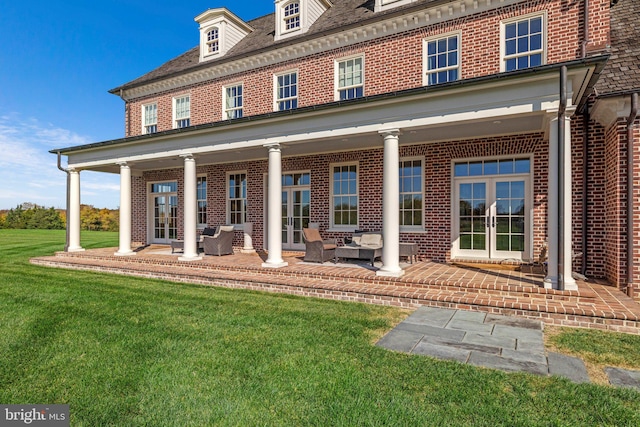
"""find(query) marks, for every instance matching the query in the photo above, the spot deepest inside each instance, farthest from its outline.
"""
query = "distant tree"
(3, 218)
(32, 216)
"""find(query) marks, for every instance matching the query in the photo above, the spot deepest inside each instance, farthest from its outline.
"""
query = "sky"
(58, 60)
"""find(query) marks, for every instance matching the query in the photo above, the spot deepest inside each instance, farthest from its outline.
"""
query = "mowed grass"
(124, 351)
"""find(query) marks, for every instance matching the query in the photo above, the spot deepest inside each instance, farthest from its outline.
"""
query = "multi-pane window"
(150, 113)
(287, 91)
(523, 43)
(292, 16)
(213, 41)
(233, 102)
(182, 112)
(350, 79)
(411, 193)
(442, 59)
(237, 197)
(345, 195)
(201, 190)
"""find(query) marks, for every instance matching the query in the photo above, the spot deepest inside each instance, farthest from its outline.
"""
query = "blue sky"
(58, 60)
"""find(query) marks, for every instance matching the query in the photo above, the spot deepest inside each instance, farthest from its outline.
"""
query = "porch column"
(551, 281)
(274, 208)
(125, 211)
(74, 211)
(565, 169)
(190, 210)
(390, 210)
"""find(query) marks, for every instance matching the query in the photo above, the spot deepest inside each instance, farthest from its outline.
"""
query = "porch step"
(584, 308)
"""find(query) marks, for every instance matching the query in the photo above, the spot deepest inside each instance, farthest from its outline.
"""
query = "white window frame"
(229, 199)
(226, 110)
(210, 43)
(422, 193)
(175, 118)
(286, 18)
(336, 82)
(145, 124)
(201, 224)
(333, 225)
(276, 100)
(426, 72)
(542, 51)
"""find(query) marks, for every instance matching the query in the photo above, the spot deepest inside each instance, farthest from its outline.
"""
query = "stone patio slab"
(399, 340)
(433, 316)
(490, 340)
(469, 316)
(524, 334)
(518, 322)
(469, 325)
(569, 367)
(490, 361)
(452, 335)
(524, 356)
(461, 345)
(445, 352)
(623, 377)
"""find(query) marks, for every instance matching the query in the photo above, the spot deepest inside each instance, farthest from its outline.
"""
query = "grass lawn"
(126, 351)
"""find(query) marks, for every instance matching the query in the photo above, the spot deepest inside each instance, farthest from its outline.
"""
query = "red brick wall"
(391, 62)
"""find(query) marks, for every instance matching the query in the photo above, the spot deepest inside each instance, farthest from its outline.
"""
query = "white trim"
(227, 198)
(414, 228)
(150, 208)
(505, 22)
(346, 227)
(202, 225)
(174, 119)
(276, 100)
(336, 74)
(425, 63)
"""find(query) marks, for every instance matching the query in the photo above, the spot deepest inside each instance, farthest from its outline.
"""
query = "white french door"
(164, 212)
(492, 218)
(295, 216)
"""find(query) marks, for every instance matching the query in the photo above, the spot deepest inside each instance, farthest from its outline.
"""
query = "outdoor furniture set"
(212, 241)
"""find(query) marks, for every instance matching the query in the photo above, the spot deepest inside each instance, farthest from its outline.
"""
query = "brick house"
(480, 129)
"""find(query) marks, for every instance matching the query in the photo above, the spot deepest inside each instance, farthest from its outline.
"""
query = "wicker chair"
(221, 243)
(318, 250)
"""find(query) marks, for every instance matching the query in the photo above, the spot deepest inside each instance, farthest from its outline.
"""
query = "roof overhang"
(504, 104)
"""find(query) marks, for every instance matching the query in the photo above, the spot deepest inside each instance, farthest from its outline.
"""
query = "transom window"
(345, 195)
(350, 79)
(201, 190)
(182, 112)
(292, 16)
(442, 62)
(492, 167)
(287, 91)
(213, 41)
(150, 113)
(233, 102)
(411, 193)
(237, 198)
(523, 43)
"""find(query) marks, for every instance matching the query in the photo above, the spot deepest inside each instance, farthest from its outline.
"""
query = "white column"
(274, 209)
(247, 228)
(551, 281)
(190, 210)
(74, 211)
(566, 169)
(125, 211)
(390, 209)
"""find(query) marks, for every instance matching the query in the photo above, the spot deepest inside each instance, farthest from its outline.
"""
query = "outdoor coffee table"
(179, 245)
(358, 252)
(410, 250)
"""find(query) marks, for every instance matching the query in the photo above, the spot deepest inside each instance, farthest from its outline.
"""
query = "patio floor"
(425, 283)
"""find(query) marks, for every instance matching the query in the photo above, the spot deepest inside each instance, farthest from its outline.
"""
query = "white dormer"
(382, 5)
(294, 17)
(220, 30)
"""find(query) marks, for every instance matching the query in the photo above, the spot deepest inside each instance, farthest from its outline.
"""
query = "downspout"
(561, 147)
(66, 244)
(630, 165)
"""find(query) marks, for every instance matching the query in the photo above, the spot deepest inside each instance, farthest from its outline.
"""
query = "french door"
(164, 208)
(492, 218)
(295, 216)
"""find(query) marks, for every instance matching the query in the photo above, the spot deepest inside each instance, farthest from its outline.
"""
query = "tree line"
(32, 216)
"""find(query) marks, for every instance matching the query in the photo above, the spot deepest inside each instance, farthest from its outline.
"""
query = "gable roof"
(340, 16)
(622, 72)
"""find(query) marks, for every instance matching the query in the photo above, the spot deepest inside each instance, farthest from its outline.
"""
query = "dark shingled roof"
(622, 72)
(341, 15)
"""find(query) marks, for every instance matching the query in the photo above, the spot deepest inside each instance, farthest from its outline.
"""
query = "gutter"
(630, 187)
(66, 244)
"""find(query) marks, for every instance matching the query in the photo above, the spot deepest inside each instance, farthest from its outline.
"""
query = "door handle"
(493, 221)
(486, 223)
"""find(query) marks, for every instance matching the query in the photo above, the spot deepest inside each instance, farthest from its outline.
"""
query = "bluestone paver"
(518, 322)
(485, 360)
(450, 334)
(470, 316)
(469, 325)
(399, 340)
(433, 316)
(623, 377)
(569, 367)
(517, 332)
(441, 351)
(524, 356)
(490, 340)
(462, 345)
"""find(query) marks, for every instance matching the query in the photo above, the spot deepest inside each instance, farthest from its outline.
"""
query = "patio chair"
(317, 250)
(221, 243)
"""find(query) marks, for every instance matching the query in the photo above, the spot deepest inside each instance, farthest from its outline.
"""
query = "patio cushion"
(328, 246)
(371, 240)
(356, 240)
(312, 235)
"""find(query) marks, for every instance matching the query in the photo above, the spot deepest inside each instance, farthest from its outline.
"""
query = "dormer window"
(220, 30)
(213, 41)
(382, 5)
(295, 17)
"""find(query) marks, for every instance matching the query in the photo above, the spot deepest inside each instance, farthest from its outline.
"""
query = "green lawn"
(125, 351)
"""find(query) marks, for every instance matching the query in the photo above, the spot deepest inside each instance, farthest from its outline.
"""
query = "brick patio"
(500, 291)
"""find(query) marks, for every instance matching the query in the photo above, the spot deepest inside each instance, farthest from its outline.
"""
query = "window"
(237, 197)
(442, 59)
(349, 79)
(213, 41)
(286, 91)
(181, 112)
(523, 43)
(345, 195)
(202, 199)
(492, 167)
(411, 193)
(292, 16)
(232, 100)
(150, 119)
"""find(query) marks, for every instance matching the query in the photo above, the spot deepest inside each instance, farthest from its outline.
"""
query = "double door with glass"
(164, 208)
(296, 203)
